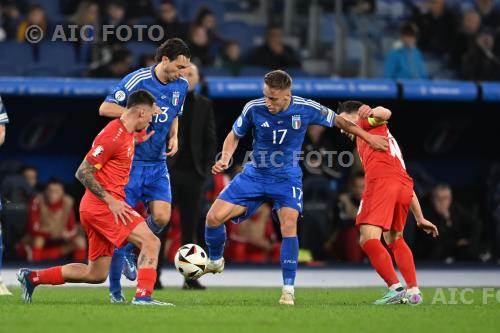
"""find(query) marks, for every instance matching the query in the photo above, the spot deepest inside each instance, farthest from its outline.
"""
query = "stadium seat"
(59, 54)
(14, 52)
(254, 71)
(139, 48)
(215, 71)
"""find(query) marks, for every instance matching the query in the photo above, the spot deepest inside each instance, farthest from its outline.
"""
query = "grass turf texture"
(62, 309)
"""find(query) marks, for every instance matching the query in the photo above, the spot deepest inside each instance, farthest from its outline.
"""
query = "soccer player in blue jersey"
(278, 122)
(149, 179)
(4, 119)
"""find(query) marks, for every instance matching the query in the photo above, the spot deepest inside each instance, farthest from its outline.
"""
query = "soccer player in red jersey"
(383, 210)
(108, 221)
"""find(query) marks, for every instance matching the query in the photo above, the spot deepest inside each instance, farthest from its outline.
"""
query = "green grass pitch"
(255, 310)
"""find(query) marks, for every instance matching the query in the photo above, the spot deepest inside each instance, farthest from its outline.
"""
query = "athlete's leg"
(289, 252)
(143, 238)
(160, 215)
(215, 231)
(404, 259)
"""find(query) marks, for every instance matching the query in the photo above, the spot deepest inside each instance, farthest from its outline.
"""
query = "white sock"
(395, 286)
(413, 290)
(288, 289)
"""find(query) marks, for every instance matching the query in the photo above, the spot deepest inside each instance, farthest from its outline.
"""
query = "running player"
(279, 122)
(384, 205)
(108, 221)
(149, 179)
(4, 119)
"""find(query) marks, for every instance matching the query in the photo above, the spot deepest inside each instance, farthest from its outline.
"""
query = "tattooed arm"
(85, 174)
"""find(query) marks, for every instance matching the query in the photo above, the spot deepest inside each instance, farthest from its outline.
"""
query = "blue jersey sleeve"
(320, 114)
(244, 121)
(4, 119)
(183, 97)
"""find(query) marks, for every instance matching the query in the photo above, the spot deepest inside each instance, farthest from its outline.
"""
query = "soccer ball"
(190, 261)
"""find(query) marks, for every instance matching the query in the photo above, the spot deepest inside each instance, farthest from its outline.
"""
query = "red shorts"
(103, 233)
(385, 203)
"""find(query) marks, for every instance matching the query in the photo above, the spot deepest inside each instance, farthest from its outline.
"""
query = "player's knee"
(97, 277)
(288, 227)
(392, 236)
(162, 218)
(213, 220)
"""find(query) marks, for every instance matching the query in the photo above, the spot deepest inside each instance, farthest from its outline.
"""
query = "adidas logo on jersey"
(266, 124)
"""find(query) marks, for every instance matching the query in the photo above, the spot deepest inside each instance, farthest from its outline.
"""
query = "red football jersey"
(378, 164)
(112, 153)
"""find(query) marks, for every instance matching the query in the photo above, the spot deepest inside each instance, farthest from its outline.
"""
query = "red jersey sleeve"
(102, 150)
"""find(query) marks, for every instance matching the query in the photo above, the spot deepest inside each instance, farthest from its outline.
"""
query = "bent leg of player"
(289, 253)
(404, 259)
(95, 272)
(3, 289)
(143, 238)
(382, 262)
(215, 232)
(237, 202)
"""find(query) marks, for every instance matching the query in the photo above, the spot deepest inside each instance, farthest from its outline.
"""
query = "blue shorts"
(252, 192)
(148, 183)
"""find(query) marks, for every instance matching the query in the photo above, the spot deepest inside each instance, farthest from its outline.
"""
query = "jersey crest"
(296, 121)
(175, 98)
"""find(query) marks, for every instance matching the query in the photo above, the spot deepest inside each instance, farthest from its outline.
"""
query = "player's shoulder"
(132, 80)
(305, 103)
(253, 105)
(182, 82)
(113, 131)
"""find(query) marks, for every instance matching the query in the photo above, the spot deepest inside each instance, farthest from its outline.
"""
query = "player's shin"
(289, 258)
(146, 275)
(381, 261)
(404, 260)
(215, 239)
(115, 270)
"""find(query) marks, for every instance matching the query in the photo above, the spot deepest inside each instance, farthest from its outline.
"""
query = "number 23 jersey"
(380, 164)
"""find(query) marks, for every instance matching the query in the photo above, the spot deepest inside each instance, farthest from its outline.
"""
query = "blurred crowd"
(403, 39)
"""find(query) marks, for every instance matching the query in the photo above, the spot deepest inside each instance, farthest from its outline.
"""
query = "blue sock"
(215, 239)
(155, 228)
(115, 270)
(288, 257)
(127, 248)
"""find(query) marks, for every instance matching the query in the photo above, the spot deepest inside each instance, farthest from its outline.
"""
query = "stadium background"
(446, 129)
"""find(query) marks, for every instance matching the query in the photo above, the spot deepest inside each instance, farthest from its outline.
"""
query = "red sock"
(80, 255)
(404, 260)
(51, 275)
(381, 260)
(146, 278)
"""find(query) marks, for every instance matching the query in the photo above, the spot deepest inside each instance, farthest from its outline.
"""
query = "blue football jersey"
(278, 138)
(4, 119)
(169, 98)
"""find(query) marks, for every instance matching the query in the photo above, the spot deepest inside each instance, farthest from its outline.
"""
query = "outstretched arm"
(422, 223)
(111, 110)
(230, 145)
(377, 142)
